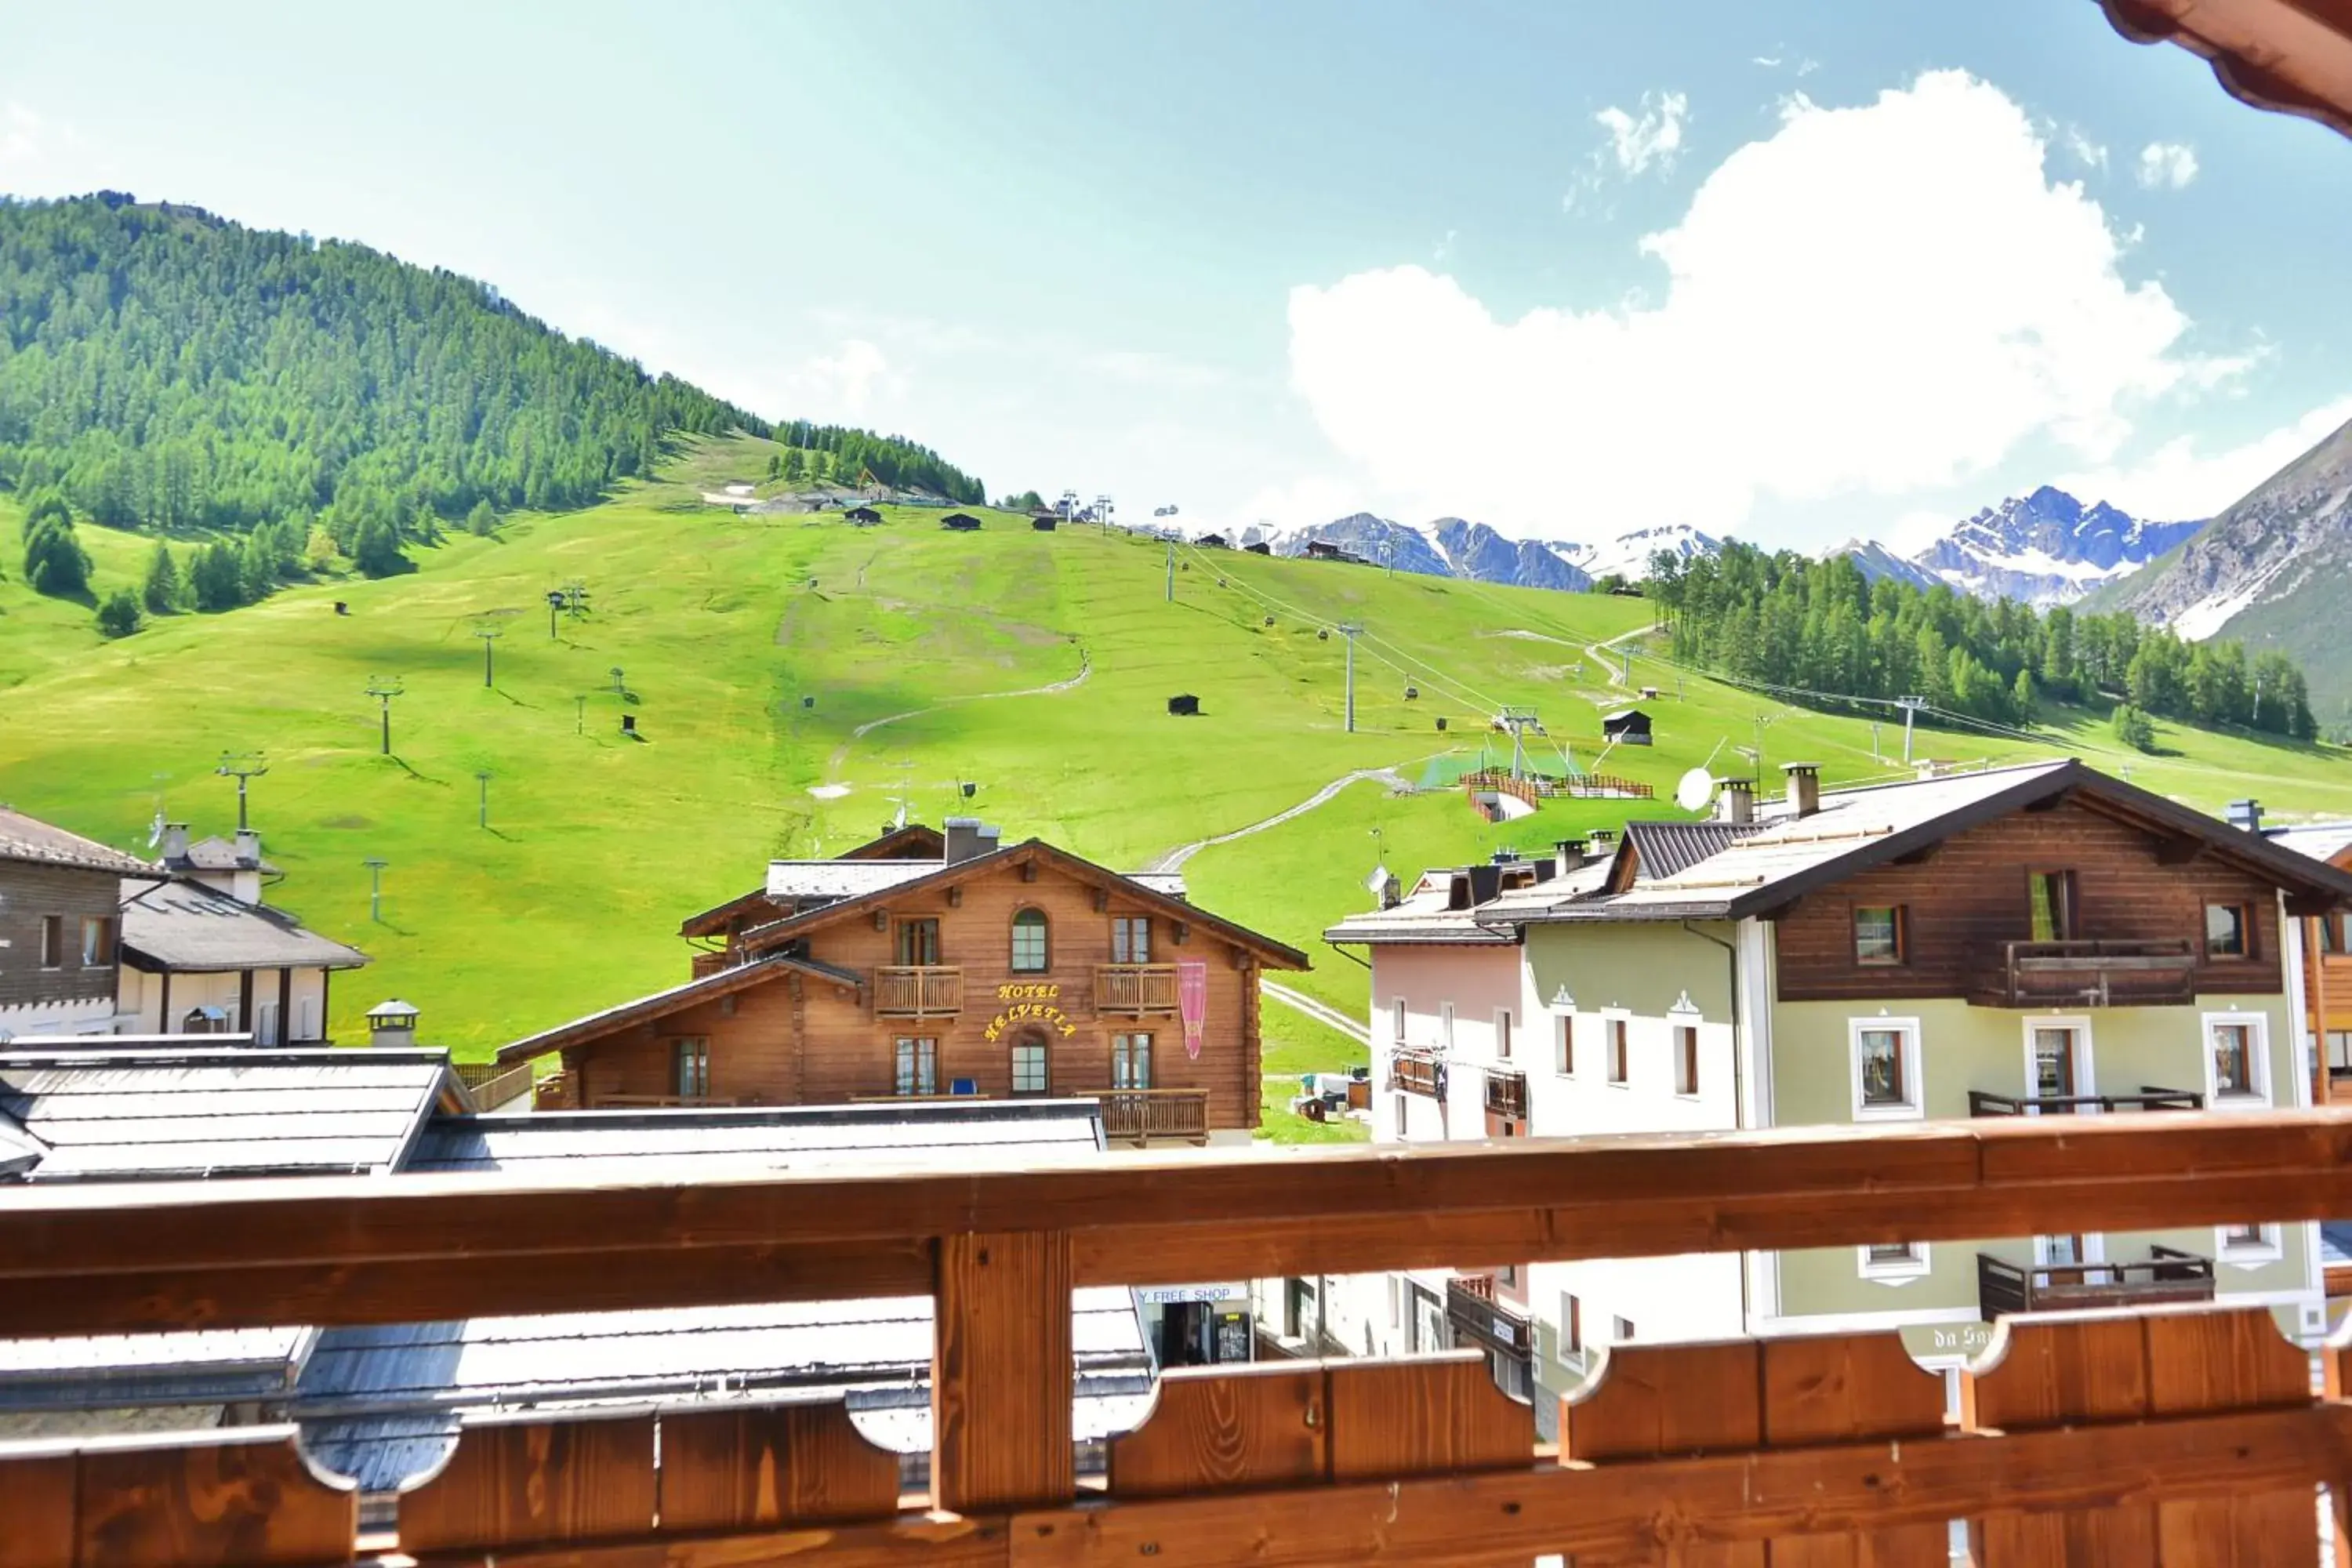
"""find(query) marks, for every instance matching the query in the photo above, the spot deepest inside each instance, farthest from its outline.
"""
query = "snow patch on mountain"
(2047, 548)
(1628, 555)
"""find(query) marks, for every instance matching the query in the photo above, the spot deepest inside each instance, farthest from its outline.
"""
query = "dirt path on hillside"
(841, 753)
(1321, 1012)
(1173, 860)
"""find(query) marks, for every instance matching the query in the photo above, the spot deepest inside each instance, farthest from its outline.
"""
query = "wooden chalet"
(1213, 541)
(928, 963)
(961, 522)
(59, 923)
(1260, 548)
(863, 516)
(1044, 521)
(1627, 726)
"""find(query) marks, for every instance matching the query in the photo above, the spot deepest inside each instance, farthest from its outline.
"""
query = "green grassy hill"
(766, 657)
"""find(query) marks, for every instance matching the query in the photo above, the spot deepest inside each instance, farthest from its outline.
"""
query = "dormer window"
(1029, 945)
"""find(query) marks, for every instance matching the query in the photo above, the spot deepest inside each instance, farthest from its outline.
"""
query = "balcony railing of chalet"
(559, 1090)
(492, 1085)
(2154, 1434)
(707, 963)
(602, 1101)
(2086, 973)
(918, 991)
(1417, 1072)
(2165, 1275)
(1475, 1315)
(1984, 1102)
(1506, 1094)
(1135, 988)
(1154, 1115)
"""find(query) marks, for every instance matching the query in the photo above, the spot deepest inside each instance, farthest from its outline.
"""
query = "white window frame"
(1612, 1019)
(1402, 1105)
(1679, 1019)
(2094, 1251)
(1396, 1019)
(1566, 1036)
(2259, 1062)
(1913, 1109)
(1445, 1025)
(2086, 1080)
(1572, 1311)
(1502, 1033)
(1894, 1271)
(1621, 1330)
(2270, 1248)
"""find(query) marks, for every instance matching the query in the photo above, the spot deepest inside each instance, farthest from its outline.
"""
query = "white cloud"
(843, 385)
(2089, 154)
(20, 135)
(1652, 136)
(2179, 482)
(2166, 164)
(1835, 322)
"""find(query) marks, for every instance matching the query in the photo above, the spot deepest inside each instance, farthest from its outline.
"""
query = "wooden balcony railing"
(2165, 1275)
(559, 1090)
(1506, 1094)
(493, 1086)
(1475, 1316)
(707, 963)
(1135, 988)
(1154, 1115)
(2153, 1434)
(1984, 1102)
(1417, 1072)
(602, 1101)
(2086, 974)
(918, 991)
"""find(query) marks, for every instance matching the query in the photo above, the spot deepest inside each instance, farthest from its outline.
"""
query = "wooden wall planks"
(1002, 1373)
(243, 1498)
(739, 1467)
(518, 1480)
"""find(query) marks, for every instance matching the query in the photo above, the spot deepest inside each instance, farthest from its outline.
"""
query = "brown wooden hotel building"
(928, 963)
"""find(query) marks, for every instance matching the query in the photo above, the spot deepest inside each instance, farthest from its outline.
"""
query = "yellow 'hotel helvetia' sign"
(1044, 1013)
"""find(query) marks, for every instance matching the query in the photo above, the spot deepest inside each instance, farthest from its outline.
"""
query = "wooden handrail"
(1985, 1102)
(918, 990)
(1135, 988)
(93, 1259)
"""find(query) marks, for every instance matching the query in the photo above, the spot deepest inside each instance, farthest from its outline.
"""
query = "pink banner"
(1193, 997)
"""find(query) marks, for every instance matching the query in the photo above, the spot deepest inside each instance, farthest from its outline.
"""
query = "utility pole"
(375, 887)
(580, 715)
(1171, 588)
(489, 636)
(1763, 721)
(1910, 706)
(383, 688)
(554, 603)
(241, 767)
(1350, 630)
(1873, 741)
(482, 812)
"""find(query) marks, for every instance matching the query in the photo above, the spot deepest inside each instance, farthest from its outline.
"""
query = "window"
(1621, 1330)
(1886, 1067)
(1502, 1035)
(1685, 1058)
(1619, 1066)
(1403, 1103)
(1571, 1329)
(690, 1068)
(2229, 931)
(2235, 1045)
(2053, 894)
(1029, 942)
(1878, 933)
(1507, 1276)
(2247, 1244)
(2058, 1060)
(1029, 1074)
(1130, 940)
(2331, 933)
(1130, 1061)
(53, 941)
(1567, 1045)
(1445, 1025)
(1396, 1302)
(1892, 1260)
(919, 1067)
(918, 942)
(97, 941)
(1396, 1020)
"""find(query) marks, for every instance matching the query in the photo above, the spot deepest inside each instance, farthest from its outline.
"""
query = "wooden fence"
(2168, 1435)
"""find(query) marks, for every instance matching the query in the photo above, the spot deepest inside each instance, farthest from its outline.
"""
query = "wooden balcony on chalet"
(1474, 1315)
(2165, 1277)
(1984, 1102)
(918, 991)
(1146, 1116)
(1506, 1093)
(1417, 1072)
(1135, 988)
(2155, 1433)
(2086, 973)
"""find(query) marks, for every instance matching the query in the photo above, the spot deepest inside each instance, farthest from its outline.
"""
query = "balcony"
(1478, 1318)
(1984, 1102)
(1135, 988)
(557, 1091)
(1146, 1116)
(918, 991)
(1417, 1072)
(2086, 974)
(1506, 1094)
(2163, 1277)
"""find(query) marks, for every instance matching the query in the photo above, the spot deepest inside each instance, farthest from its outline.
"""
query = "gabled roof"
(2328, 841)
(1651, 852)
(140, 1114)
(1787, 856)
(916, 841)
(1046, 857)
(29, 839)
(186, 927)
(676, 999)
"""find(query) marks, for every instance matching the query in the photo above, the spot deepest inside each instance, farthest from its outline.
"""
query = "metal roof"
(1663, 849)
(2320, 841)
(201, 1366)
(216, 854)
(791, 880)
(188, 927)
(102, 1114)
(29, 839)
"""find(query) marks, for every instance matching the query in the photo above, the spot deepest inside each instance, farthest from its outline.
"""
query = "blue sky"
(1802, 271)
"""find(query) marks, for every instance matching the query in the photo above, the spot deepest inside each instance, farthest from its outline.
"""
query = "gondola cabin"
(1627, 726)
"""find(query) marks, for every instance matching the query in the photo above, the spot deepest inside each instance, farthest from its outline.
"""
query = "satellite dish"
(1696, 788)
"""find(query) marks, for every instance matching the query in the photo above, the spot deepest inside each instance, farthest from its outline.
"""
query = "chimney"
(967, 837)
(1739, 801)
(2246, 815)
(175, 842)
(248, 846)
(1567, 855)
(392, 1023)
(1804, 787)
(1604, 842)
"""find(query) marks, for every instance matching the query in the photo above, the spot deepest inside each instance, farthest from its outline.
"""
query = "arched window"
(1029, 942)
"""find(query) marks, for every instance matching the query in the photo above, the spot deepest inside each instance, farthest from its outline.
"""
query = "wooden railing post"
(1002, 1372)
